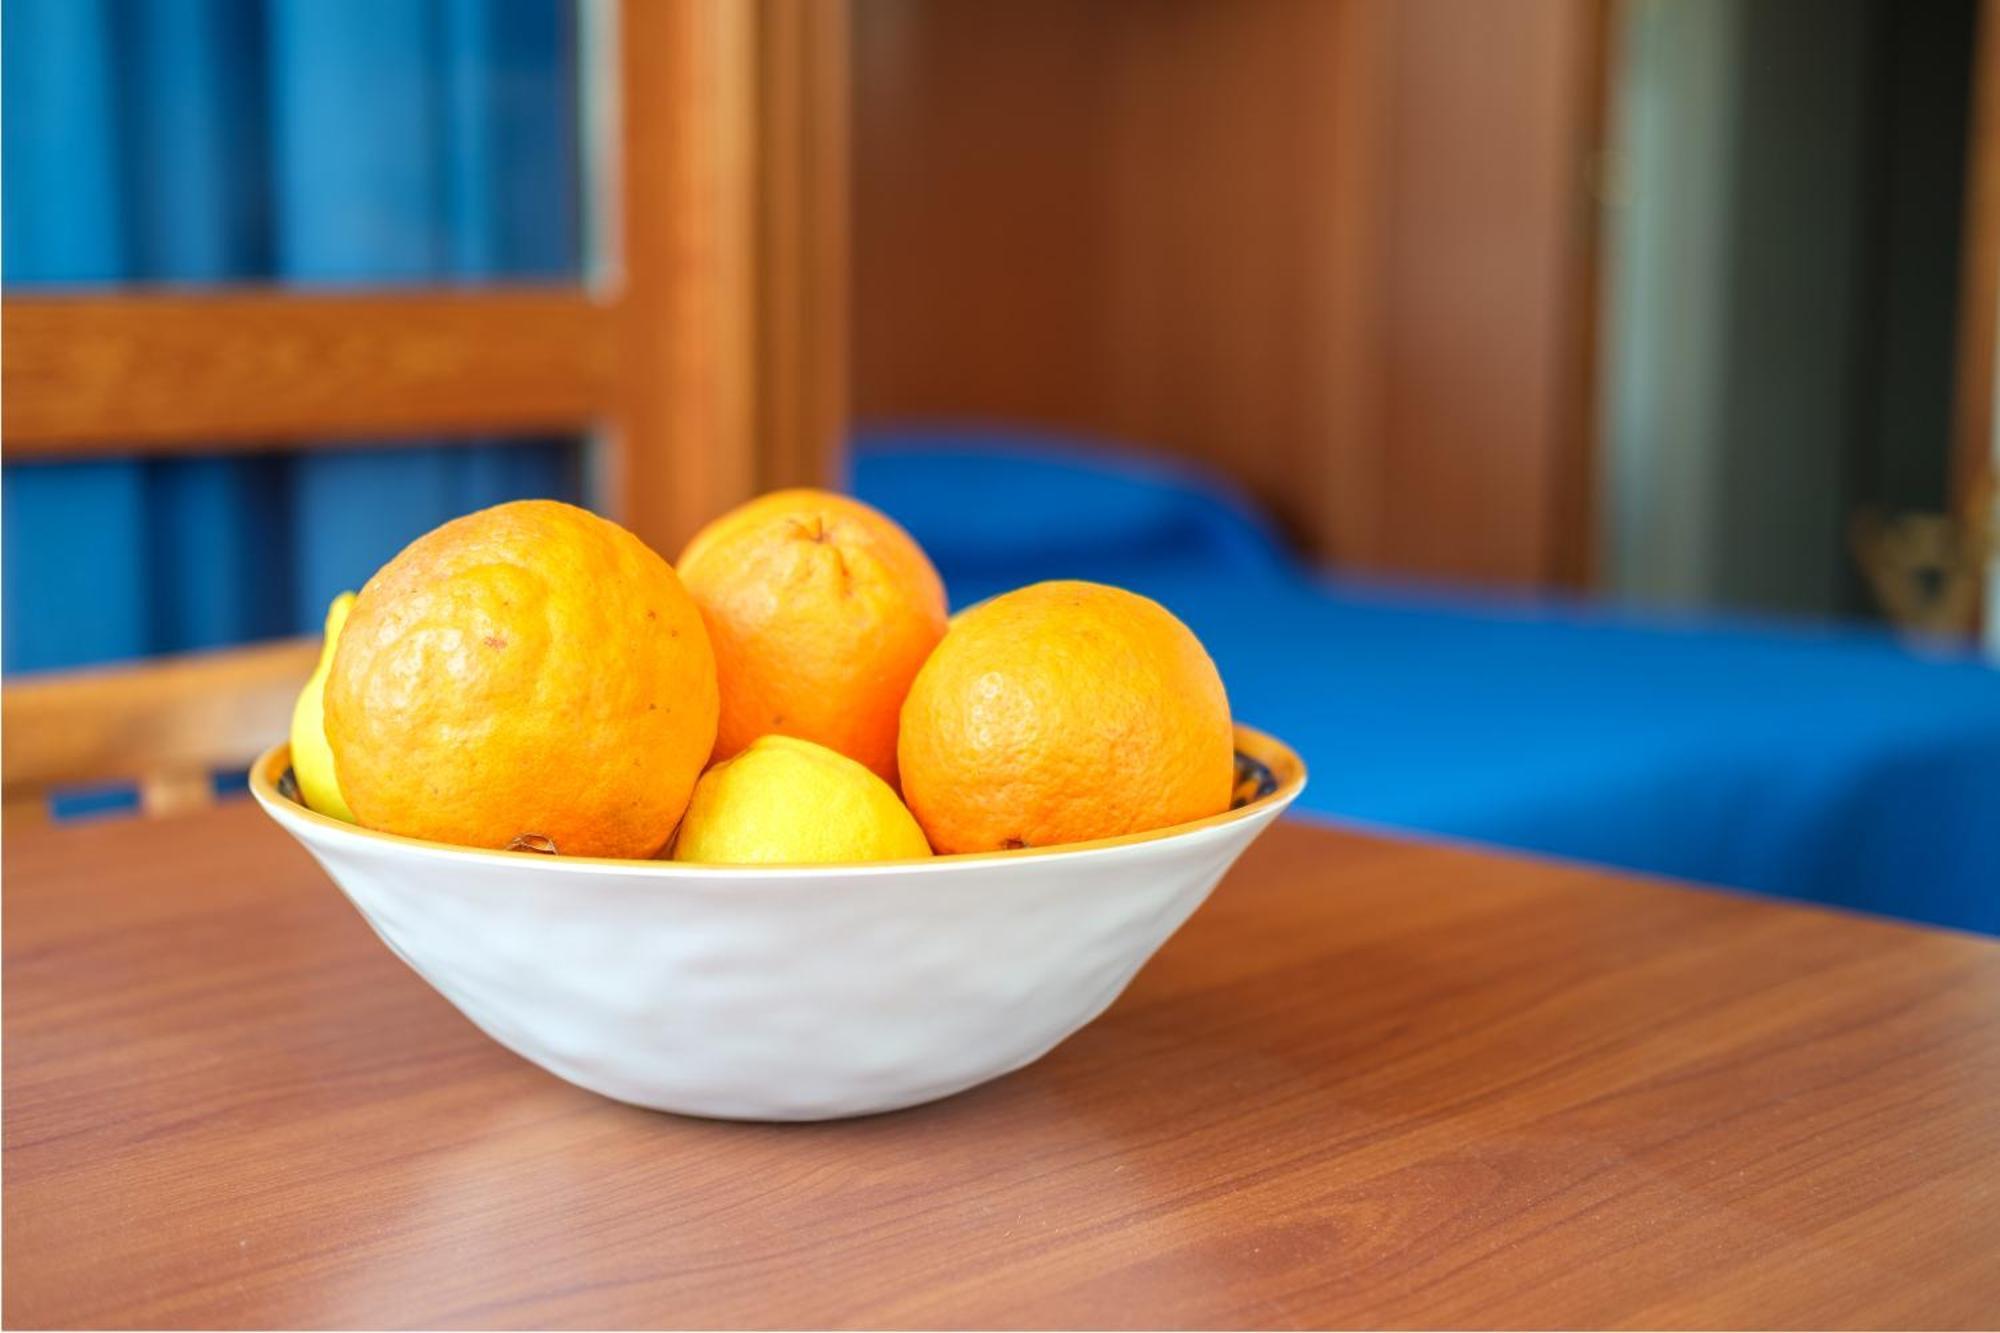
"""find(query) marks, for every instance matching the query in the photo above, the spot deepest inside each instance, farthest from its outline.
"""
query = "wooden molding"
(165, 372)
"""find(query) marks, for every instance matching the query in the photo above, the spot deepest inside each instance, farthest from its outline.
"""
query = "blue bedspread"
(1821, 763)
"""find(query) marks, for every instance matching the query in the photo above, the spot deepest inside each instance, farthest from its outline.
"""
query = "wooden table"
(1371, 1082)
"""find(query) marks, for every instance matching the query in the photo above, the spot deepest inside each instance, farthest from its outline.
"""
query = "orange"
(821, 609)
(1064, 712)
(531, 671)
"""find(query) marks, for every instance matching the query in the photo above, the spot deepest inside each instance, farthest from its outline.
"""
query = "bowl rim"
(1280, 758)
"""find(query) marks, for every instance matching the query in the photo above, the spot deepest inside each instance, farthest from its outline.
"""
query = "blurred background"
(1570, 422)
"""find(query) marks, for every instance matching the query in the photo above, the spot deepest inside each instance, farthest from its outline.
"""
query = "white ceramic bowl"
(781, 993)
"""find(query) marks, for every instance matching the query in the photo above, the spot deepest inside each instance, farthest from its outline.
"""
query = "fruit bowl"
(784, 992)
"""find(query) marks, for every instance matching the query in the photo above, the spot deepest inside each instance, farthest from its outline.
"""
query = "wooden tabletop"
(1371, 1082)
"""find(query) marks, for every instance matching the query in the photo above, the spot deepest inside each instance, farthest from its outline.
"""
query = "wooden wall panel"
(1338, 248)
(979, 211)
(1225, 226)
(1491, 118)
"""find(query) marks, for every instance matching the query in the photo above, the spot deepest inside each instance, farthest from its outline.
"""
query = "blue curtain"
(307, 142)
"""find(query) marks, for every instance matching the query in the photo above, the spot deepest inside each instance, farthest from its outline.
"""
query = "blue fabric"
(1826, 764)
(302, 141)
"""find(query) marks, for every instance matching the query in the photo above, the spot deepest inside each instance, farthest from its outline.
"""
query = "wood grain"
(1492, 117)
(1340, 250)
(164, 372)
(1371, 1083)
(683, 444)
(730, 278)
(169, 723)
(803, 241)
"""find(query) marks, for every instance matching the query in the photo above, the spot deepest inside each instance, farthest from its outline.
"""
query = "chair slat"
(176, 792)
(155, 722)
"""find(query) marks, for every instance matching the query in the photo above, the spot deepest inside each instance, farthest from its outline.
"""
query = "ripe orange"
(821, 609)
(1064, 712)
(527, 671)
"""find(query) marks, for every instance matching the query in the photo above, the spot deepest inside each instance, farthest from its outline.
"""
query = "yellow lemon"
(782, 800)
(312, 759)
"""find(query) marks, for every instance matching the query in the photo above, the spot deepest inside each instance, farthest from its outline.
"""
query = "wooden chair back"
(706, 360)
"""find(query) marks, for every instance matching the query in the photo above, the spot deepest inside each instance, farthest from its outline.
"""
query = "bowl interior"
(1269, 773)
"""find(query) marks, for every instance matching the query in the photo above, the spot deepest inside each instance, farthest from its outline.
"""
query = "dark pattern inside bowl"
(1254, 781)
